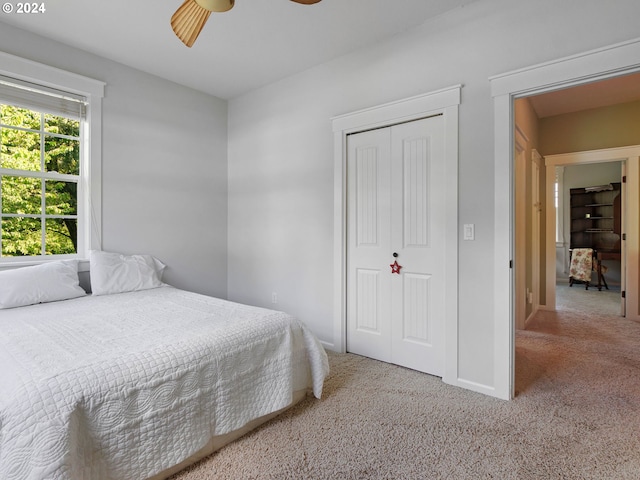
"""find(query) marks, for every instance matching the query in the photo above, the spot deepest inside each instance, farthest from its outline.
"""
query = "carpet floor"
(576, 414)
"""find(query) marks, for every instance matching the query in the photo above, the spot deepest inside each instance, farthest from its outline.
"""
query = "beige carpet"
(576, 414)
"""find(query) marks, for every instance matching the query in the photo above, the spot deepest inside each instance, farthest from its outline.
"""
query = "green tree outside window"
(39, 213)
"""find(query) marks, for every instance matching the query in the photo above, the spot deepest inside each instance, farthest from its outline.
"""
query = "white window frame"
(90, 183)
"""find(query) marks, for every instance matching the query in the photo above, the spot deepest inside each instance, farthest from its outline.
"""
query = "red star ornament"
(395, 267)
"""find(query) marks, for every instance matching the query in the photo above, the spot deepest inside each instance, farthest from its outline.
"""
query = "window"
(49, 163)
(40, 169)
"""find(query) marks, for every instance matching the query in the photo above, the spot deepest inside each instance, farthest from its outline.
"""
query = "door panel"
(369, 307)
(367, 195)
(415, 173)
(417, 235)
(395, 182)
(417, 299)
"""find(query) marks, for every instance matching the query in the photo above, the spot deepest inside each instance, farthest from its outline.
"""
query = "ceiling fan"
(189, 19)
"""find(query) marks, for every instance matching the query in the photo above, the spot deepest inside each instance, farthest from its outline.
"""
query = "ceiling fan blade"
(188, 21)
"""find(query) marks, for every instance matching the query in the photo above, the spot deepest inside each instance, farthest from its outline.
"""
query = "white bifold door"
(395, 313)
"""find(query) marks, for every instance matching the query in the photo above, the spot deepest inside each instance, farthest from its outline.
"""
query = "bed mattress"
(125, 386)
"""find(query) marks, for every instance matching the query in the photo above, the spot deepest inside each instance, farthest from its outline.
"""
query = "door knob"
(395, 255)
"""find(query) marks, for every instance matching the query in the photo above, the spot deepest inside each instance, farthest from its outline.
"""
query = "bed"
(138, 384)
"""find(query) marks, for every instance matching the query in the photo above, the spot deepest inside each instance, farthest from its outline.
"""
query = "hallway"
(584, 348)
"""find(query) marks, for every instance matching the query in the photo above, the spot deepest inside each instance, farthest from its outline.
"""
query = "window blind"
(41, 98)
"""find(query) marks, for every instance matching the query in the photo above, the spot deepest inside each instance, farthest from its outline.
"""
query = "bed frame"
(219, 441)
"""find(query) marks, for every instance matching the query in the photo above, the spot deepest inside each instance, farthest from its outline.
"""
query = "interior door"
(369, 244)
(623, 243)
(395, 183)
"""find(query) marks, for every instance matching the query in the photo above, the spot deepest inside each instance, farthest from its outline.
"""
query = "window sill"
(83, 264)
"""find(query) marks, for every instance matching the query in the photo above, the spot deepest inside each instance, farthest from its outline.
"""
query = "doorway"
(600, 227)
(606, 63)
(625, 161)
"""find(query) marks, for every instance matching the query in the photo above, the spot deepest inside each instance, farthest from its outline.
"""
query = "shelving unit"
(595, 218)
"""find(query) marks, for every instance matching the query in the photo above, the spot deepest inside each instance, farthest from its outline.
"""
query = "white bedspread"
(124, 386)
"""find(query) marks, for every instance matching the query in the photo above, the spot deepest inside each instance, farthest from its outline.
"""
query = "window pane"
(19, 117)
(61, 125)
(61, 236)
(62, 155)
(21, 195)
(61, 198)
(21, 237)
(19, 150)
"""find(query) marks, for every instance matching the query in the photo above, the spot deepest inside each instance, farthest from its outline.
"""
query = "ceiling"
(261, 41)
(255, 43)
(613, 91)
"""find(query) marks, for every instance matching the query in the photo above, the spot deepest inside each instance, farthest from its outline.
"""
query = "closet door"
(369, 244)
(395, 183)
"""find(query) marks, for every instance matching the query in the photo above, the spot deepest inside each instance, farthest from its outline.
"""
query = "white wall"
(164, 168)
(281, 150)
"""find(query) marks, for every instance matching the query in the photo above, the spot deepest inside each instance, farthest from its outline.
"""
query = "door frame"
(537, 162)
(600, 64)
(443, 102)
(630, 159)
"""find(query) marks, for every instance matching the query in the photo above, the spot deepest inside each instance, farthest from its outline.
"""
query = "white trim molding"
(607, 62)
(559, 181)
(442, 102)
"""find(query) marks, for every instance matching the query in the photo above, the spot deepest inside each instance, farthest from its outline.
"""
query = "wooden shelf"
(595, 218)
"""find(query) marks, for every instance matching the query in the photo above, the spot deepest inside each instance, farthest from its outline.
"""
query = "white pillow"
(47, 282)
(117, 273)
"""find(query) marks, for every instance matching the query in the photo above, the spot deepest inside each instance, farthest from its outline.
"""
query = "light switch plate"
(469, 231)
